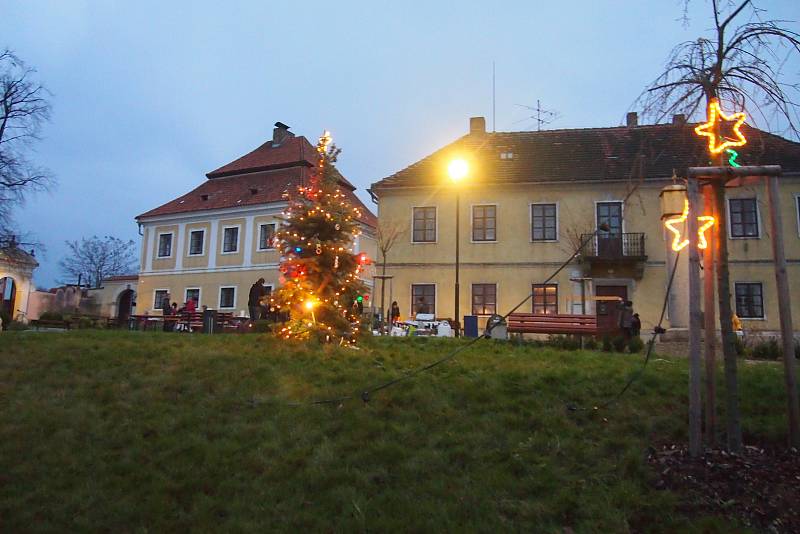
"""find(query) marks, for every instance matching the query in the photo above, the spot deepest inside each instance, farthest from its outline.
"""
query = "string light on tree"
(321, 277)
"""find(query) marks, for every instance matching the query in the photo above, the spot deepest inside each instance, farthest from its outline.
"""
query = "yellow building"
(529, 198)
(16, 280)
(214, 242)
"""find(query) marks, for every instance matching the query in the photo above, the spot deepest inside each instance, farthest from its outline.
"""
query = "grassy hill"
(166, 432)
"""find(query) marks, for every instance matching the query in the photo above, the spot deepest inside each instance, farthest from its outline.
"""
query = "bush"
(51, 316)
(619, 343)
(17, 326)
(85, 322)
(564, 342)
(635, 345)
(741, 350)
(591, 344)
(262, 326)
(6, 318)
(607, 344)
(766, 350)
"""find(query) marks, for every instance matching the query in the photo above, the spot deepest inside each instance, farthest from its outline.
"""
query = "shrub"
(766, 350)
(619, 343)
(607, 344)
(51, 316)
(17, 326)
(5, 317)
(564, 342)
(261, 326)
(85, 322)
(741, 350)
(591, 344)
(635, 345)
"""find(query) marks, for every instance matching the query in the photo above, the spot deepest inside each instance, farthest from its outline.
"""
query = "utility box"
(470, 326)
(210, 322)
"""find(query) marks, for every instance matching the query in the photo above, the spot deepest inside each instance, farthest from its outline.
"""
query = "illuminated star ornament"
(678, 243)
(715, 115)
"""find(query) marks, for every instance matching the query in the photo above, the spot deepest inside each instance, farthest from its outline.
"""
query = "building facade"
(16, 280)
(531, 198)
(214, 242)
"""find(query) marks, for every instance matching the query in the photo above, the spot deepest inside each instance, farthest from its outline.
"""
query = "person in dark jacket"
(394, 315)
(257, 292)
(166, 311)
(636, 325)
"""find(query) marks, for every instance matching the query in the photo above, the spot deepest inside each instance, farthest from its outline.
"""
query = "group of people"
(629, 322)
(170, 309)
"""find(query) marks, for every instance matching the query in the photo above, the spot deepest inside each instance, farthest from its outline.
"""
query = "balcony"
(617, 248)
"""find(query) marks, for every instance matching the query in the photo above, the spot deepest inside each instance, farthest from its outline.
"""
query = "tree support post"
(784, 310)
(695, 321)
(709, 319)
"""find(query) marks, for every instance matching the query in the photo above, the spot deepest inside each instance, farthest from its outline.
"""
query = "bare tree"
(387, 233)
(739, 64)
(91, 260)
(23, 109)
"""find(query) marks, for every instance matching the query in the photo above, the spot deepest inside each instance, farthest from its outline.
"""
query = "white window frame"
(558, 220)
(171, 245)
(797, 211)
(758, 215)
(199, 295)
(496, 296)
(155, 291)
(435, 229)
(258, 236)
(238, 239)
(219, 300)
(763, 301)
(411, 313)
(472, 221)
(202, 241)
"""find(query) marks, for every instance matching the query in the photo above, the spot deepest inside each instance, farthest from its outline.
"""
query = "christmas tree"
(321, 288)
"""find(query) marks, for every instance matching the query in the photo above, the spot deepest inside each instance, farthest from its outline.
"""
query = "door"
(608, 311)
(124, 307)
(609, 244)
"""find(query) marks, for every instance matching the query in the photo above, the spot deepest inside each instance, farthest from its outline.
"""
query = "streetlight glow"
(457, 169)
(310, 304)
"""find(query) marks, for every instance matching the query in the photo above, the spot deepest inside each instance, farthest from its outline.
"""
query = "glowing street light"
(457, 170)
(310, 307)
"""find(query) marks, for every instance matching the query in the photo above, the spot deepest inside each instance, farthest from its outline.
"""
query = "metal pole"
(709, 314)
(458, 288)
(695, 407)
(784, 310)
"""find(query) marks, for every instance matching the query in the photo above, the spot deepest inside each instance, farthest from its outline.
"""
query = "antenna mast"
(541, 116)
(494, 100)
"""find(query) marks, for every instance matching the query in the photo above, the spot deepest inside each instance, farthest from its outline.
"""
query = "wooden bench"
(50, 323)
(529, 323)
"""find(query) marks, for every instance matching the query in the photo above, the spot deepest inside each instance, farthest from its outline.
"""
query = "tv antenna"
(541, 116)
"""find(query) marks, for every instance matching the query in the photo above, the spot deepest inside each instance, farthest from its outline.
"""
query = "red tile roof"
(260, 177)
(591, 154)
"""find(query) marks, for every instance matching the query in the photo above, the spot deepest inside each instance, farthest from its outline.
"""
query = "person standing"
(166, 311)
(626, 318)
(191, 305)
(394, 314)
(257, 292)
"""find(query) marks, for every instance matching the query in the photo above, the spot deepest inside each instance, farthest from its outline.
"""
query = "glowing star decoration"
(707, 130)
(325, 140)
(678, 243)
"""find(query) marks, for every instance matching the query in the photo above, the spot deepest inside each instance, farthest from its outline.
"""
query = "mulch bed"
(760, 487)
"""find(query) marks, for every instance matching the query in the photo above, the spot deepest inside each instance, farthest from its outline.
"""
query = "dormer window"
(506, 155)
(203, 197)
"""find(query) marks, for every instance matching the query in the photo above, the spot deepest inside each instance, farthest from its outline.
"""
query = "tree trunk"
(710, 336)
(733, 417)
(383, 295)
(695, 403)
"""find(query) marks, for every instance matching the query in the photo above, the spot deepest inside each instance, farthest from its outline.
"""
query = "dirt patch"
(760, 487)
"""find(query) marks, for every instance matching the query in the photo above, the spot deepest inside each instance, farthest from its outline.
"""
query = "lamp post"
(457, 170)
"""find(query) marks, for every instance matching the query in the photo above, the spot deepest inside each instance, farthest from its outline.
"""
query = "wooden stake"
(784, 310)
(709, 316)
(695, 320)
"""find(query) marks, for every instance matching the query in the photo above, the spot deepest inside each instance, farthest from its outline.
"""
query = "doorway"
(8, 294)
(124, 306)
(607, 311)
(609, 244)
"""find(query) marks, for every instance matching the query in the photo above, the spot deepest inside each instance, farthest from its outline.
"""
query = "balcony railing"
(628, 246)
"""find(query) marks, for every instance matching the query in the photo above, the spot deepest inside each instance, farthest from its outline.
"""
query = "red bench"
(604, 322)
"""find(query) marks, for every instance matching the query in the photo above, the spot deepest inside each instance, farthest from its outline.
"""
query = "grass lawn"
(157, 432)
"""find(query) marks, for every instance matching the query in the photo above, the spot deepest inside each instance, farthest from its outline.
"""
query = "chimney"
(477, 125)
(632, 119)
(280, 133)
(679, 118)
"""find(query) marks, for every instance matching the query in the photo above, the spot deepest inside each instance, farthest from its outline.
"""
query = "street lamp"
(457, 170)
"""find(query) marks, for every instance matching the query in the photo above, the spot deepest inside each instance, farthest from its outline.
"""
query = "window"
(193, 293)
(423, 298)
(484, 223)
(749, 300)
(230, 239)
(484, 299)
(196, 238)
(543, 222)
(506, 155)
(545, 299)
(164, 245)
(266, 236)
(424, 225)
(227, 297)
(744, 217)
(158, 298)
